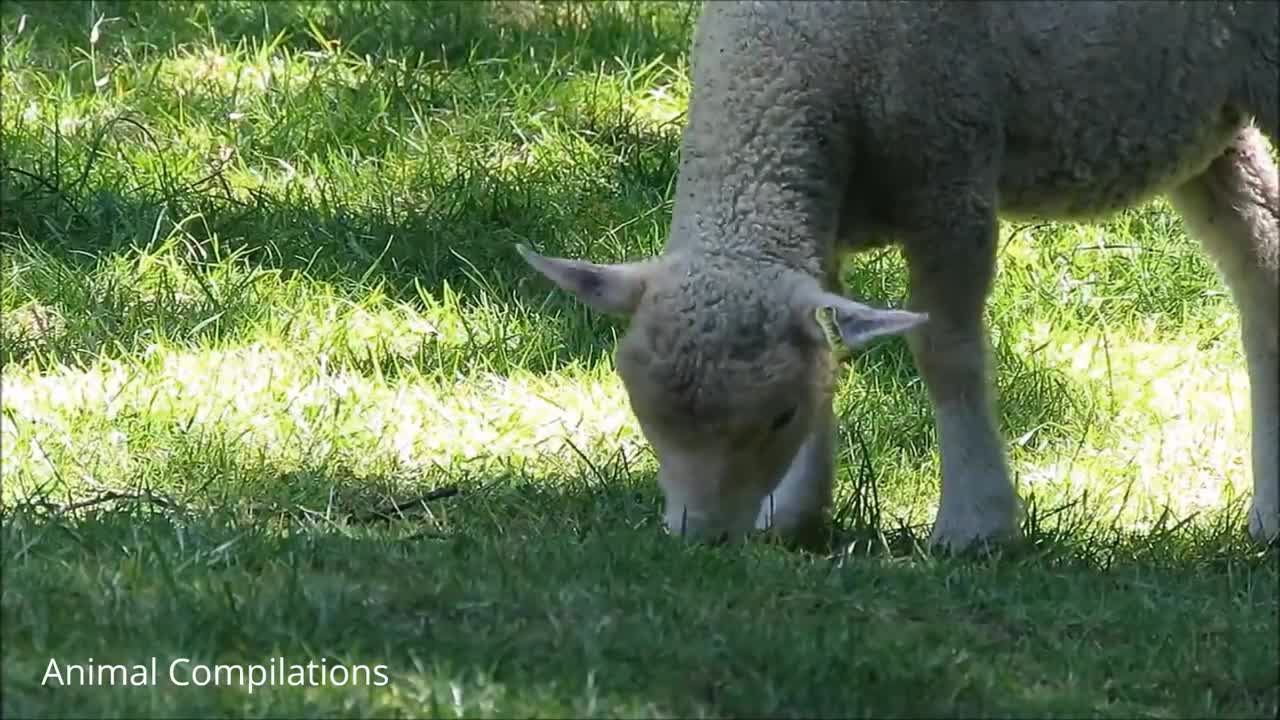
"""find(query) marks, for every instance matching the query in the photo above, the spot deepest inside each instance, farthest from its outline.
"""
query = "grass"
(260, 281)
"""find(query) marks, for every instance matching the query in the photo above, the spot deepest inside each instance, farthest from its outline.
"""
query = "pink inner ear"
(575, 276)
(584, 280)
(607, 288)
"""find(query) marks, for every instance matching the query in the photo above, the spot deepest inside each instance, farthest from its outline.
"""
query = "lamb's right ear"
(615, 289)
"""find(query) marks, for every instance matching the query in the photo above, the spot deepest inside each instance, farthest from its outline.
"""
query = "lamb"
(821, 128)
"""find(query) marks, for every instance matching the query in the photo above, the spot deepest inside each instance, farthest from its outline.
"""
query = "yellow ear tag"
(826, 317)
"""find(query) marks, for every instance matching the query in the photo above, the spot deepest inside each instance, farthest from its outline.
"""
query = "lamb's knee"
(953, 361)
(951, 349)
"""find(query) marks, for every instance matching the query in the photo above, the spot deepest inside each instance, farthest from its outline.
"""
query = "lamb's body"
(1078, 109)
(1086, 129)
(819, 126)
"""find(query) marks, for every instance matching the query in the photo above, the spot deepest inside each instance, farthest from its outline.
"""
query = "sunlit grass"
(289, 410)
(260, 281)
(1166, 433)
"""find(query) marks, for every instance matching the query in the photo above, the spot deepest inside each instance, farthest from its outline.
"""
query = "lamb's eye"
(782, 419)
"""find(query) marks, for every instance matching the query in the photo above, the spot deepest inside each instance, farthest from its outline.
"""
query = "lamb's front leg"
(797, 510)
(951, 270)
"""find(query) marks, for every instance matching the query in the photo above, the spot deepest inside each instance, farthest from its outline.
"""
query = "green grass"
(260, 281)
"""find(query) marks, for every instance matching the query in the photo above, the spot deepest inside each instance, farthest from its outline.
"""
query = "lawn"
(277, 388)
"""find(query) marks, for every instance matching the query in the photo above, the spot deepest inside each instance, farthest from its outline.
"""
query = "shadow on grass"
(554, 592)
(459, 243)
(396, 228)
(528, 598)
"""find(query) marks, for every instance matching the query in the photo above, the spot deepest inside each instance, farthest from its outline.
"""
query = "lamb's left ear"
(615, 289)
(852, 323)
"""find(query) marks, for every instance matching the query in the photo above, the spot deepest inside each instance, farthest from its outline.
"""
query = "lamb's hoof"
(974, 531)
(816, 537)
(813, 532)
(1264, 527)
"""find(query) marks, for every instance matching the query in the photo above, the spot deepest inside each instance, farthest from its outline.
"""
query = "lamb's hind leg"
(1233, 208)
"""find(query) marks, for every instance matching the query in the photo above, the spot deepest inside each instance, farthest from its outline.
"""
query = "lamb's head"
(727, 372)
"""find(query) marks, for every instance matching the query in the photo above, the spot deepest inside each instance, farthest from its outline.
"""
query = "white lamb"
(819, 127)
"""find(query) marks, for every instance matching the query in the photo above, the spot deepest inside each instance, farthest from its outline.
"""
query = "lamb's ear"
(614, 289)
(844, 322)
